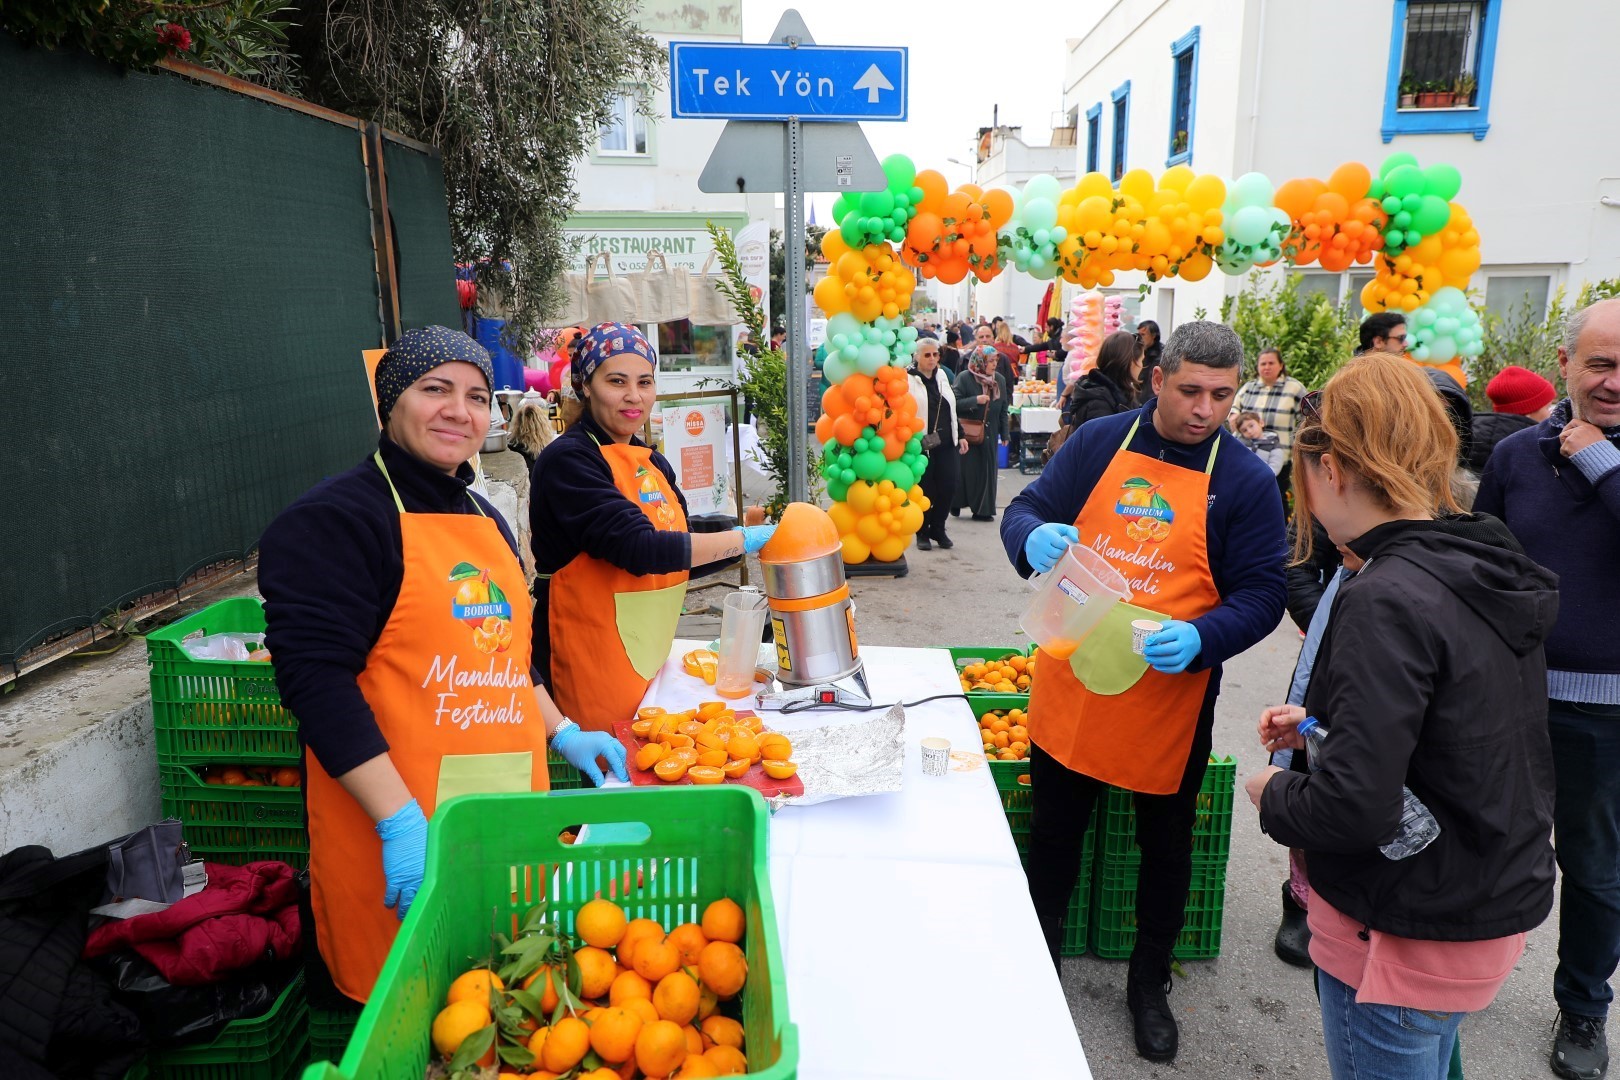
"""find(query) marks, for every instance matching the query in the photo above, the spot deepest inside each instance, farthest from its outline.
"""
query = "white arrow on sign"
(873, 81)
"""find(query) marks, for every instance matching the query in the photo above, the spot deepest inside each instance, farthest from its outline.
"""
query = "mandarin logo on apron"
(653, 503)
(1147, 513)
(482, 605)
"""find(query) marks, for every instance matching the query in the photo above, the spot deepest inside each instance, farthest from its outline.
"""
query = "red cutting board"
(755, 776)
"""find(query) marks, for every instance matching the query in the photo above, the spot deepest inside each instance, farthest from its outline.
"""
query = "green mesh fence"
(187, 278)
(423, 262)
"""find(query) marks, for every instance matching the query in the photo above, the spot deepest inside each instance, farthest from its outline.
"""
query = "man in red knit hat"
(1520, 398)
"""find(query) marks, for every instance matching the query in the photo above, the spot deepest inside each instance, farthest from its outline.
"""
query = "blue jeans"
(1383, 1042)
(1586, 830)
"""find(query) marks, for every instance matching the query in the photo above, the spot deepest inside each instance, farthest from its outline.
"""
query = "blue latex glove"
(755, 537)
(404, 856)
(1173, 647)
(582, 748)
(1046, 545)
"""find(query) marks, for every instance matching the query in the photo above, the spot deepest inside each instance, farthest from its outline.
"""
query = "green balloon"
(1404, 180)
(1442, 181)
(877, 203)
(861, 445)
(900, 171)
(1432, 215)
(848, 476)
(1395, 161)
(900, 473)
(838, 490)
(917, 195)
(1391, 204)
(1394, 239)
(869, 465)
(919, 468)
(852, 232)
(840, 208)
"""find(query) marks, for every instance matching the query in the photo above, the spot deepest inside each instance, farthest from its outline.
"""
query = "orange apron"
(448, 680)
(610, 629)
(1103, 712)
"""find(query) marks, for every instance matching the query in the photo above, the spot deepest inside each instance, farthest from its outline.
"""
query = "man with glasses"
(1384, 331)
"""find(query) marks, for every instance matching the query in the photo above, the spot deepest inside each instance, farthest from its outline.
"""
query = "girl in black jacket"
(1430, 676)
(1110, 387)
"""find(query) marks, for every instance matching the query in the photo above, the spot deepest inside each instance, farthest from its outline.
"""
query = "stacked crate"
(211, 714)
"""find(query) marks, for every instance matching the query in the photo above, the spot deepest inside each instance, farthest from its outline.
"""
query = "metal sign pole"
(798, 357)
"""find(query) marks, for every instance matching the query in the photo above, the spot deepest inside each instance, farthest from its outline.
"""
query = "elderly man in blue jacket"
(1194, 523)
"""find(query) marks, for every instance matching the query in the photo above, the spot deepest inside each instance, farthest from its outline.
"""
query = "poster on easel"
(695, 444)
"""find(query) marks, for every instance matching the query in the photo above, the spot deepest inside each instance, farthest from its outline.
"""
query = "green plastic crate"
(1212, 827)
(1076, 924)
(236, 824)
(1113, 922)
(217, 711)
(963, 655)
(500, 854)
(564, 777)
(269, 1047)
(1014, 796)
(330, 1031)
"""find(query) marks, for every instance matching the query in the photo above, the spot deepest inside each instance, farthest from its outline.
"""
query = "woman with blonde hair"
(1430, 680)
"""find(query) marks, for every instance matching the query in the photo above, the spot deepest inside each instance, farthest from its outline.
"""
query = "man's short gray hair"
(1212, 344)
(1574, 323)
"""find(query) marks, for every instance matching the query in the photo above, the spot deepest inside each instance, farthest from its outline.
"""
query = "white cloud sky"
(965, 60)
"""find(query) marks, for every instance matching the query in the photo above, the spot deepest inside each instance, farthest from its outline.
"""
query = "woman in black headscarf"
(980, 402)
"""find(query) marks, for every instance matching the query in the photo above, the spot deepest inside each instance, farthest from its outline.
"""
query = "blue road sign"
(716, 80)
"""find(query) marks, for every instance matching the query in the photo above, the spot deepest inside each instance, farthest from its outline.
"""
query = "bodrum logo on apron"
(1148, 514)
(653, 497)
(482, 605)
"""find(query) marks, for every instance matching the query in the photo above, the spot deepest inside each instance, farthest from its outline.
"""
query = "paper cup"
(936, 756)
(1141, 630)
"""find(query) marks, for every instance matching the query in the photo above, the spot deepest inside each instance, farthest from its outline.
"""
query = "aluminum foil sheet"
(862, 755)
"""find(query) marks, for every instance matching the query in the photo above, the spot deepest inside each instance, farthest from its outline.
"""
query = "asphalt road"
(1246, 1014)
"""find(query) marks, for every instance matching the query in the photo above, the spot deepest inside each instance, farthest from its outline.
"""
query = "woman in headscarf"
(396, 613)
(981, 411)
(611, 547)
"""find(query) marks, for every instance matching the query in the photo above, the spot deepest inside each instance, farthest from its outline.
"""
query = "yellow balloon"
(1195, 267)
(1206, 192)
(830, 298)
(856, 550)
(1137, 184)
(871, 530)
(910, 519)
(843, 518)
(1177, 178)
(890, 548)
(1095, 183)
(862, 497)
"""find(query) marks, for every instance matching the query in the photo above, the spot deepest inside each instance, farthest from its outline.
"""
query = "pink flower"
(175, 37)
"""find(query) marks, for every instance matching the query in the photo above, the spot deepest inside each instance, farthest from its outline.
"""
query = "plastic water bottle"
(1418, 827)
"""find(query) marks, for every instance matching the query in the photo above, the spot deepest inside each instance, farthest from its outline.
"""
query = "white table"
(898, 912)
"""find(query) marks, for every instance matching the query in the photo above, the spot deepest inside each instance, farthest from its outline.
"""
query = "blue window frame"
(1093, 136)
(1122, 122)
(1456, 39)
(1183, 97)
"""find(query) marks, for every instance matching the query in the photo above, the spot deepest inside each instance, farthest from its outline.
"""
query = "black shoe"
(957, 512)
(1146, 987)
(984, 517)
(1580, 1051)
(945, 542)
(1293, 943)
(923, 544)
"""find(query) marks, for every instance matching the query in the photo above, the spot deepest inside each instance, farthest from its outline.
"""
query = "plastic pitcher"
(742, 621)
(1072, 599)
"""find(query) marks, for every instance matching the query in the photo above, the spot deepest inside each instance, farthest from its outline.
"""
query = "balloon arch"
(1183, 224)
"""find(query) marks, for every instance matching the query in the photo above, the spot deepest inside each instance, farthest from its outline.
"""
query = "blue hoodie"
(1246, 538)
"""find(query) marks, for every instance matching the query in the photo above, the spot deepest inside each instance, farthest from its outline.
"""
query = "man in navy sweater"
(1194, 523)
(1557, 486)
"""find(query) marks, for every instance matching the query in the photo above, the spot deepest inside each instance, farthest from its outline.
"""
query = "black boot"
(941, 539)
(1293, 942)
(923, 543)
(1146, 987)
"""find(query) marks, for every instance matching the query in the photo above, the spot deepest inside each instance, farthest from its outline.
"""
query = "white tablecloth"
(897, 911)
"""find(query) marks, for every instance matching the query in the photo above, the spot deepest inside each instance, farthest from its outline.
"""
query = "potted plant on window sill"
(1178, 145)
(1464, 88)
(1409, 90)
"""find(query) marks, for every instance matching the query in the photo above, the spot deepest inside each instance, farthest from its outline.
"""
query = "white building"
(1296, 88)
(638, 191)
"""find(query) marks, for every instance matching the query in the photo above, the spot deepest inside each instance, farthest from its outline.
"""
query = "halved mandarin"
(670, 769)
(705, 774)
(736, 767)
(675, 738)
(640, 728)
(708, 710)
(743, 744)
(711, 672)
(714, 758)
(780, 770)
(752, 723)
(708, 738)
(689, 727)
(650, 755)
(682, 753)
(773, 744)
(647, 712)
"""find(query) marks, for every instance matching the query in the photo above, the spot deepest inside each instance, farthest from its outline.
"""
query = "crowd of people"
(1449, 744)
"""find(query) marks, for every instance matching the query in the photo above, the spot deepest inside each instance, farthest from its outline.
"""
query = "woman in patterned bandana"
(611, 544)
(401, 630)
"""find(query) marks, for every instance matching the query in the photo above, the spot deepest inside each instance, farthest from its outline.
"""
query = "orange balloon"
(934, 188)
(1350, 180)
(999, 204)
(824, 428)
(1295, 197)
